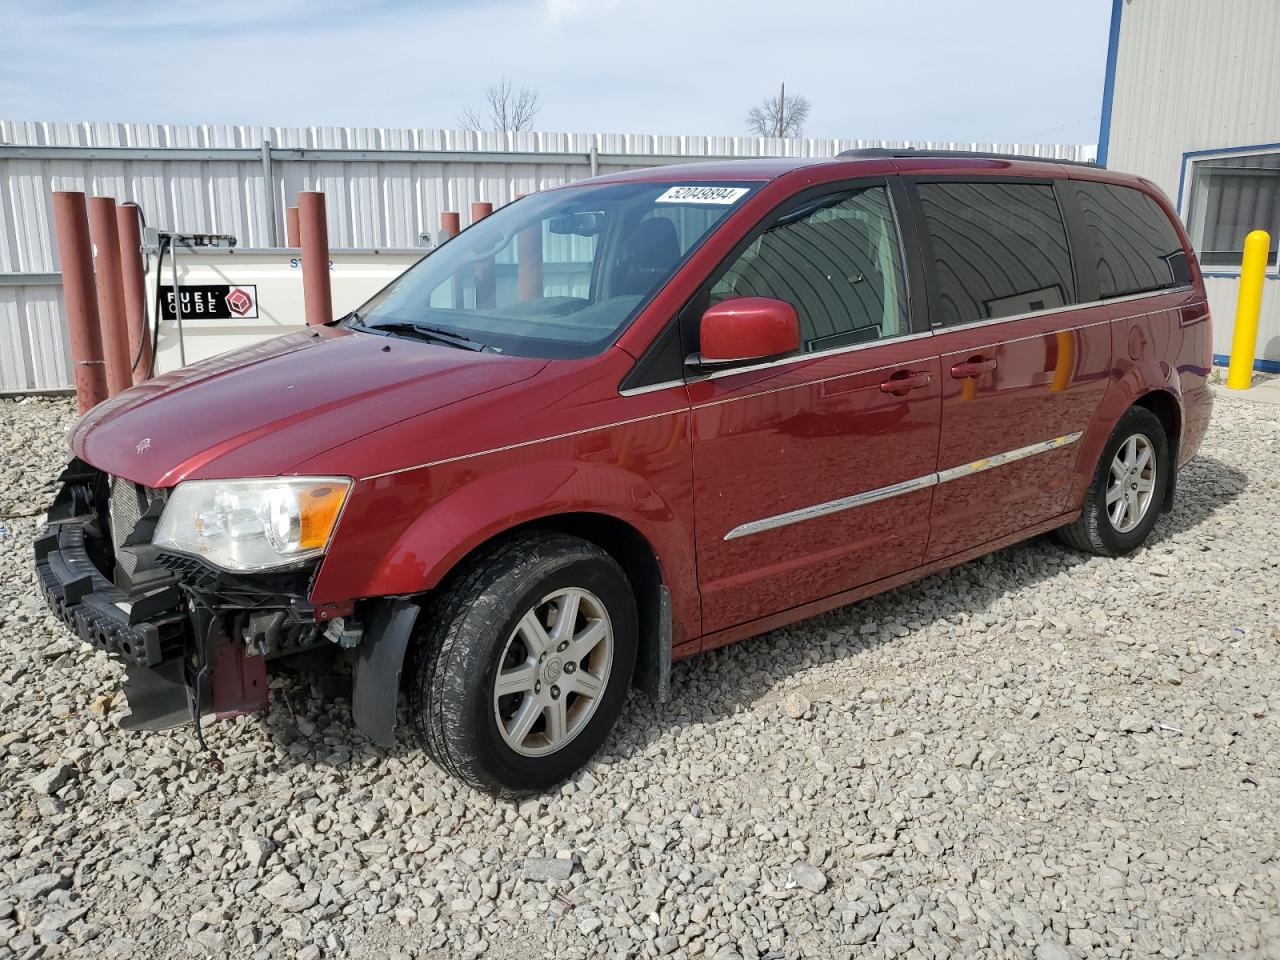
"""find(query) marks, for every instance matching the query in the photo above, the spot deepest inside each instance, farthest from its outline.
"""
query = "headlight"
(252, 524)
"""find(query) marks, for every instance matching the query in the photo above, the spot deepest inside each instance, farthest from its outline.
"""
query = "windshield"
(557, 274)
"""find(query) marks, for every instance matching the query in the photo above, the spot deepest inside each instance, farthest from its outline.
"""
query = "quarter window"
(997, 249)
(837, 260)
(1230, 197)
(1136, 248)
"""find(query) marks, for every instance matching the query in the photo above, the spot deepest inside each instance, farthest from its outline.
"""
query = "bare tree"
(779, 116)
(509, 109)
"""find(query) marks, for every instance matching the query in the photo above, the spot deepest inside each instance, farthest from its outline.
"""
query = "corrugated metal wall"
(384, 188)
(1198, 75)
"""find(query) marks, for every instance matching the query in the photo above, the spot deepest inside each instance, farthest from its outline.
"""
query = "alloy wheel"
(553, 672)
(1132, 483)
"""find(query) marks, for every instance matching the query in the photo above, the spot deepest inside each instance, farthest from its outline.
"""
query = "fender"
(466, 511)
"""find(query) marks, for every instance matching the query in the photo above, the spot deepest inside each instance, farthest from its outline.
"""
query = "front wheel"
(1123, 502)
(524, 664)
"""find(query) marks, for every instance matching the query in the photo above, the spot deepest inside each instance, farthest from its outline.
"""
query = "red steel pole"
(486, 283)
(313, 235)
(529, 262)
(129, 231)
(111, 309)
(450, 225)
(75, 254)
(291, 227)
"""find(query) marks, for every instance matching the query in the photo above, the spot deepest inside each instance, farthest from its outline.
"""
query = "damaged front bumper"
(145, 631)
(183, 630)
(148, 633)
(195, 639)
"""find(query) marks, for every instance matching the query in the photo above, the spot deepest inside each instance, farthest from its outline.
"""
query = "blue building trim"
(1192, 154)
(1262, 366)
(1109, 82)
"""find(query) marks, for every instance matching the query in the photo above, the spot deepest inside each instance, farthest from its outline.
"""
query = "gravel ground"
(1034, 755)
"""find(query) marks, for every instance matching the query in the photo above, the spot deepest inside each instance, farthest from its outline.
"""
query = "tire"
(478, 625)
(1096, 531)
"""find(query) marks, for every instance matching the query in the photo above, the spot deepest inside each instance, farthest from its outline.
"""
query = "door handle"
(905, 380)
(973, 367)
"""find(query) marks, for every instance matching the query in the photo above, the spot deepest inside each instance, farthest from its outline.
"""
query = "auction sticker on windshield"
(702, 194)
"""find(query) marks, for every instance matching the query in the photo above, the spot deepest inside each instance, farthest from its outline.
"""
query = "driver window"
(836, 259)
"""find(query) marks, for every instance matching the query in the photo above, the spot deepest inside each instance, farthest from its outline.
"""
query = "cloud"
(1009, 70)
(565, 11)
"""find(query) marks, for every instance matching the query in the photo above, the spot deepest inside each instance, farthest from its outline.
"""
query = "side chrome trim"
(1149, 293)
(832, 506)
(897, 489)
(1009, 456)
(1065, 308)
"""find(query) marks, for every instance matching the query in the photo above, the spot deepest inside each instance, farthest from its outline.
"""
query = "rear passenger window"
(1135, 247)
(836, 259)
(997, 249)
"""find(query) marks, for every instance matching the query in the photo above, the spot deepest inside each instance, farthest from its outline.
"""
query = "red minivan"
(629, 419)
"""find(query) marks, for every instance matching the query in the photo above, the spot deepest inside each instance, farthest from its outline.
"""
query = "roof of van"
(863, 163)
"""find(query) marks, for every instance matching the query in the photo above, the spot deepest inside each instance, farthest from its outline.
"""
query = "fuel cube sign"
(211, 302)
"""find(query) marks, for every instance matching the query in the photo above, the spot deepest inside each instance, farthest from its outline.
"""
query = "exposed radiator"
(125, 506)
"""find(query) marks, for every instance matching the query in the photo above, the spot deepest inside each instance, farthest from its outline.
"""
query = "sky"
(1006, 71)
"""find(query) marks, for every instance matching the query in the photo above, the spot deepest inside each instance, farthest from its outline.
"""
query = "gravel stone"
(548, 868)
(1036, 754)
(1134, 723)
(809, 877)
(51, 781)
(966, 758)
(257, 850)
(873, 851)
(280, 888)
(35, 887)
(1053, 951)
(795, 706)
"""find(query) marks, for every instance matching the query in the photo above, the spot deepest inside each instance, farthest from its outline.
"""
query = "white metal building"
(384, 188)
(1192, 101)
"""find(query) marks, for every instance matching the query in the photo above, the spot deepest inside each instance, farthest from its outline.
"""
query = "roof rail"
(903, 153)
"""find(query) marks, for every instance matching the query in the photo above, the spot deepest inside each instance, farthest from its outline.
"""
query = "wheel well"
(1164, 406)
(631, 549)
(1167, 411)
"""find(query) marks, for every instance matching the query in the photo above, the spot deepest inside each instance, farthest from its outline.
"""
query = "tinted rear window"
(997, 249)
(1135, 247)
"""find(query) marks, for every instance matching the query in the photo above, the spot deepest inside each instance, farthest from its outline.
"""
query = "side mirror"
(743, 329)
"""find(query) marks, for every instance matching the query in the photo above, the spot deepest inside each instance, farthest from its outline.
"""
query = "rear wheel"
(1123, 501)
(525, 663)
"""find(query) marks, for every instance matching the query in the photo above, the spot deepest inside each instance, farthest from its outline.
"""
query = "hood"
(260, 411)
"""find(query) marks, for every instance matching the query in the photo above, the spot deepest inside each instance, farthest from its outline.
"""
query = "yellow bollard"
(1244, 339)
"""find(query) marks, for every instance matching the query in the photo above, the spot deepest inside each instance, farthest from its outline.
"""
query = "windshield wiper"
(446, 337)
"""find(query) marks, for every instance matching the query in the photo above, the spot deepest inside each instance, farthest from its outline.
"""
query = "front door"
(1024, 366)
(813, 474)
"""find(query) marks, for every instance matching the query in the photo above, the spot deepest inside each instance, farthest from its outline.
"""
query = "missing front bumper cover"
(145, 630)
(177, 623)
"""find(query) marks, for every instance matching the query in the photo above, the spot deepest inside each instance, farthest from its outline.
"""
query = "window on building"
(1231, 196)
(997, 249)
(836, 259)
(1135, 247)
